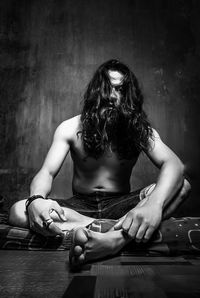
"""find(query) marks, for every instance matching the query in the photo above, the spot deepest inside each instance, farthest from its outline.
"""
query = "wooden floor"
(47, 274)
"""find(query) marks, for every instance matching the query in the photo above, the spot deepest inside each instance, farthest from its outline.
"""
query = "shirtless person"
(105, 142)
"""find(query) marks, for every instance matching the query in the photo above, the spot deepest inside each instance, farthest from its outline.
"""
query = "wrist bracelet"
(31, 199)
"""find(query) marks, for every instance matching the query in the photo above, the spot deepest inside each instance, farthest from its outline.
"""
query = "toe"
(76, 262)
(80, 237)
(81, 259)
(78, 250)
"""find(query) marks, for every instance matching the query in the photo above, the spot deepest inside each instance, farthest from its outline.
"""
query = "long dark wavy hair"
(123, 127)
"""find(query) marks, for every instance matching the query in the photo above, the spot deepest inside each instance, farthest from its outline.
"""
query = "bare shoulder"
(154, 138)
(155, 134)
(158, 151)
(68, 128)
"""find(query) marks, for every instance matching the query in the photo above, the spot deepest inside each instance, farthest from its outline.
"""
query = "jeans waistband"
(102, 194)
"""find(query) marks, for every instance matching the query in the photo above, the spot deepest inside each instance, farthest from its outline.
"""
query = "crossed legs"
(87, 244)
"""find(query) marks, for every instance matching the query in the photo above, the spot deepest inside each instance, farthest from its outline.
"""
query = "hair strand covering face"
(125, 126)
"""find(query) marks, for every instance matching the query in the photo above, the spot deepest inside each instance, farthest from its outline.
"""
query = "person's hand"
(40, 221)
(140, 222)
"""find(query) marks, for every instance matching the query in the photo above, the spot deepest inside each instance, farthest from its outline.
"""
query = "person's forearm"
(41, 184)
(169, 182)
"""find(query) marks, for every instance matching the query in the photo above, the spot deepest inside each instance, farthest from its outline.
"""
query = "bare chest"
(109, 160)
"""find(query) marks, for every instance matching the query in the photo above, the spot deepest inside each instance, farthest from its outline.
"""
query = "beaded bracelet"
(31, 199)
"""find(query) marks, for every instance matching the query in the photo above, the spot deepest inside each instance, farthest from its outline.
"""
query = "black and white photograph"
(99, 148)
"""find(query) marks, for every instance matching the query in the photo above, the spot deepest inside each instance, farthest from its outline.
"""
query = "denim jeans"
(104, 204)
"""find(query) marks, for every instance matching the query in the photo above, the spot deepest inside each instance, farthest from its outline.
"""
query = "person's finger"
(133, 228)
(127, 223)
(59, 210)
(54, 230)
(141, 232)
(148, 234)
(51, 228)
(118, 225)
(45, 215)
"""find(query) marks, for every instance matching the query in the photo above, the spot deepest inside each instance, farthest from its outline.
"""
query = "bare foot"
(74, 220)
(88, 245)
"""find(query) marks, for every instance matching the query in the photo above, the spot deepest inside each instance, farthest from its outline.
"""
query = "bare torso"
(107, 173)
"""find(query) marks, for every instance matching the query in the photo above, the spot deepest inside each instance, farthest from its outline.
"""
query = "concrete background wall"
(49, 50)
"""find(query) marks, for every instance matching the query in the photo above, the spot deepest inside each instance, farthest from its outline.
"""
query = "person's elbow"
(175, 166)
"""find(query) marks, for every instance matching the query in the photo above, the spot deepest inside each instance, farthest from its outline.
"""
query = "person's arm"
(141, 221)
(171, 174)
(39, 210)
(42, 182)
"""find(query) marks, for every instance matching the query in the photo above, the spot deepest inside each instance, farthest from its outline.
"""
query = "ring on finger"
(47, 222)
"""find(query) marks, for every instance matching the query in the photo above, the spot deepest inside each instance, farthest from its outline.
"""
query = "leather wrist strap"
(31, 199)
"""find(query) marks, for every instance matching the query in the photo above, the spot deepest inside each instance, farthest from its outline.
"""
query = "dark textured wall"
(49, 50)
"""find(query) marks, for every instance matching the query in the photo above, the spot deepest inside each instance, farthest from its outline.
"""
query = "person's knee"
(186, 188)
(17, 215)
